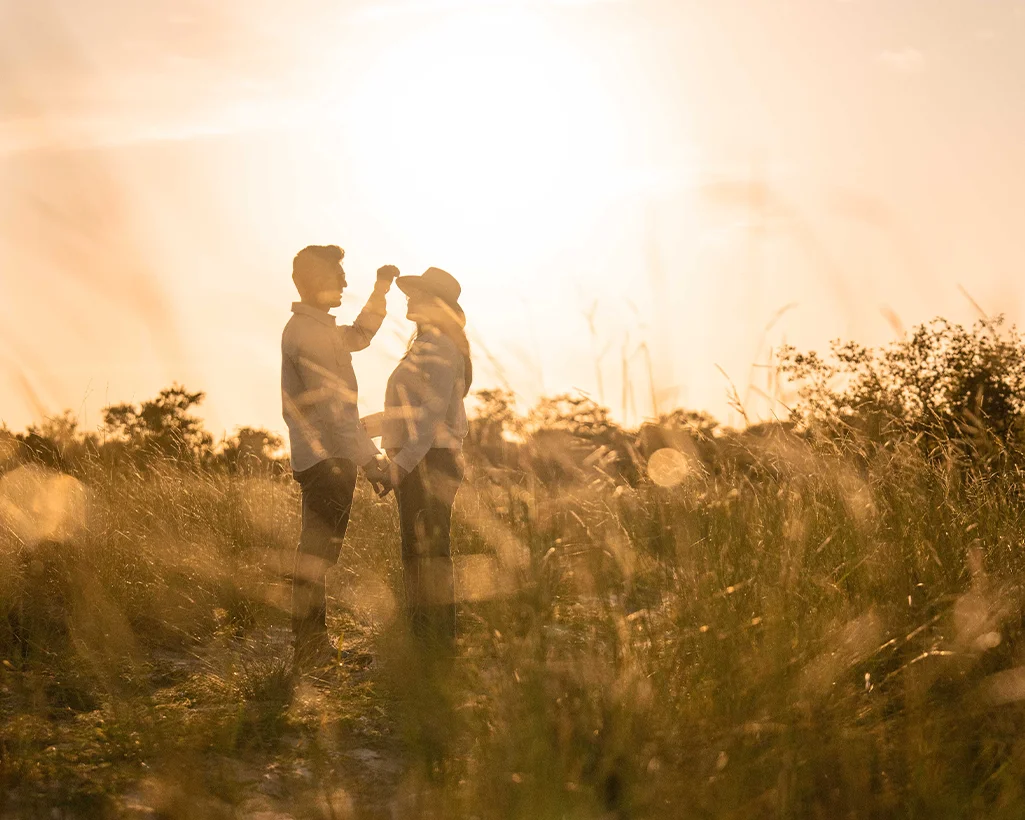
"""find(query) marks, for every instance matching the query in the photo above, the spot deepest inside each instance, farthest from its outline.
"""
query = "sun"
(485, 130)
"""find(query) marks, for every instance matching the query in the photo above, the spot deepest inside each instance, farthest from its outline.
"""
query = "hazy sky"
(622, 186)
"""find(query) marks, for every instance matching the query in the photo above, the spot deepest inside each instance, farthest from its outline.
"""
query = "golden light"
(42, 505)
(484, 131)
(668, 467)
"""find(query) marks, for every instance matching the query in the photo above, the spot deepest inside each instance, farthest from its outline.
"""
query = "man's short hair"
(331, 254)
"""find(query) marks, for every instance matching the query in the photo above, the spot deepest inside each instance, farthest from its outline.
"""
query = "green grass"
(827, 639)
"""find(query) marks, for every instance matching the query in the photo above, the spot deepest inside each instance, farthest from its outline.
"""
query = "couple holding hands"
(422, 430)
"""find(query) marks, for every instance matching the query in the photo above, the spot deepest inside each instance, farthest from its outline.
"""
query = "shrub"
(942, 386)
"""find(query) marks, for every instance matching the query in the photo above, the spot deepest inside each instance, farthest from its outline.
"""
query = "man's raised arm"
(357, 336)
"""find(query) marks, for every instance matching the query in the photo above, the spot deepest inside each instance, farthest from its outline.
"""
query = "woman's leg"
(425, 512)
(411, 495)
(445, 475)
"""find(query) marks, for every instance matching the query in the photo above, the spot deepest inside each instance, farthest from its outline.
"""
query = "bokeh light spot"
(668, 467)
(478, 577)
(37, 504)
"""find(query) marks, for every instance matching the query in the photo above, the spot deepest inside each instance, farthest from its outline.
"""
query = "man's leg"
(327, 490)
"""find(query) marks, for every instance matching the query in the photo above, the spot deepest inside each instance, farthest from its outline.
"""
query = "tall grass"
(818, 637)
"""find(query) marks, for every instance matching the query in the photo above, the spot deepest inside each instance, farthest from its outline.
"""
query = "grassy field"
(815, 638)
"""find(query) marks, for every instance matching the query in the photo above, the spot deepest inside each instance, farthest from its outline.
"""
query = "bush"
(943, 387)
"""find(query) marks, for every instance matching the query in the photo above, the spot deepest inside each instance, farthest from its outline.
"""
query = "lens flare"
(478, 578)
(42, 505)
(668, 467)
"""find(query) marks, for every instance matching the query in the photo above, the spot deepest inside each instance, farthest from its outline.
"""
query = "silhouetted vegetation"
(160, 431)
(160, 428)
(943, 387)
(815, 617)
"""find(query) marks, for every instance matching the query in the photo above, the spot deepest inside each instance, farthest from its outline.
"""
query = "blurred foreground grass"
(825, 638)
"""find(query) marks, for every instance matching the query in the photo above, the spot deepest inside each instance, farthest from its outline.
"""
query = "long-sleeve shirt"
(318, 384)
(423, 403)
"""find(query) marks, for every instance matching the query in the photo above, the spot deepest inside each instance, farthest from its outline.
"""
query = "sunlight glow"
(485, 130)
(668, 467)
(41, 505)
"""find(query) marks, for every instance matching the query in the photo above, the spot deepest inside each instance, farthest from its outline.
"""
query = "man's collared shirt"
(318, 384)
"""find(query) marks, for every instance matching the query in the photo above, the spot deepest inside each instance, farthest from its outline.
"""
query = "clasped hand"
(383, 474)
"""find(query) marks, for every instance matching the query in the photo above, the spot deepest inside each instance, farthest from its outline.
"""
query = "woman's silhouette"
(423, 430)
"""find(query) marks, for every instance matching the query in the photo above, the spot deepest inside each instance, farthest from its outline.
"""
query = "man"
(328, 444)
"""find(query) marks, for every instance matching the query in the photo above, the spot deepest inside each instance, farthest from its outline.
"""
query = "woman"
(423, 430)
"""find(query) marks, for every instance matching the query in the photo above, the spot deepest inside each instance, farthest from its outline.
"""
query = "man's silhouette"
(328, 443)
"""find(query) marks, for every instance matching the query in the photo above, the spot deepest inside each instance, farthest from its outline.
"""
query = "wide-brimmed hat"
(436, 282)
